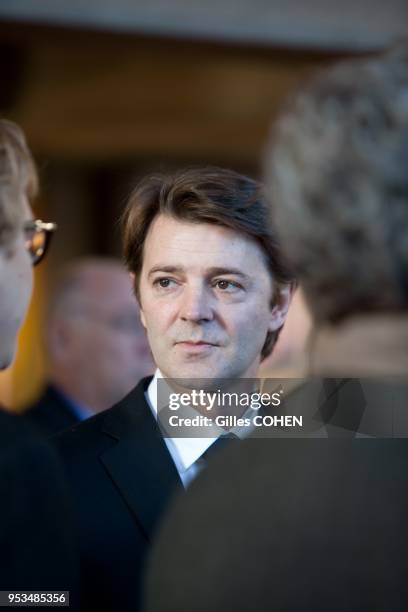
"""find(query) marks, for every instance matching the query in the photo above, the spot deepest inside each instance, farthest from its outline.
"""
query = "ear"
(282, 300)
(58, 338)
(143, 318)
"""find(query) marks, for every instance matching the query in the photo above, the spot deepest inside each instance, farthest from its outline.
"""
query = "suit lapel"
(139, 463)
(59, 406)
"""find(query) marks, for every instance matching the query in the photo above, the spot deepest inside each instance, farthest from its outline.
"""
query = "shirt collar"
(81, 411)
(186, 450)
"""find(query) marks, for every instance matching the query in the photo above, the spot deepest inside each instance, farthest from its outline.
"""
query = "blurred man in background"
(36, 541)
(96, 345)
(307, 524)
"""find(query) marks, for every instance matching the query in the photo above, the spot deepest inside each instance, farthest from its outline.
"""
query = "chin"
(200, 376)
(6, 359)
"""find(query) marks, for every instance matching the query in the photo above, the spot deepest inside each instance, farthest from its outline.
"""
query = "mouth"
(195, 347)
(195, 343)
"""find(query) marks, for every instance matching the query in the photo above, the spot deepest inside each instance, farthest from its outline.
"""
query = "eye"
(227, 286)
(163, 283)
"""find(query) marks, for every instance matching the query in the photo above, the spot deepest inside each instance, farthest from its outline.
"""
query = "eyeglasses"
(38, 236)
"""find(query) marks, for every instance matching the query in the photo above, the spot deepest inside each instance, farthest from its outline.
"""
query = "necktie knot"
(220, 443)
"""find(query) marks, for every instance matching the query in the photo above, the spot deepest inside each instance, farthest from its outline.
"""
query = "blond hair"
(18, 176)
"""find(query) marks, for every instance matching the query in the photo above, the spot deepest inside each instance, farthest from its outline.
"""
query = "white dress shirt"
(187, 452)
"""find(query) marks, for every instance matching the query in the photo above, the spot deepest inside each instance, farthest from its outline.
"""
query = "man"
(96, 346)
(36, 542)
(299, 525)
(213, 295)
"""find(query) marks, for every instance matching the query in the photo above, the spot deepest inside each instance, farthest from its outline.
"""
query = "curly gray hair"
(337, 170)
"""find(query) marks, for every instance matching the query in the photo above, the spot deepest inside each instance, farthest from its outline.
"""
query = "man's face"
(105, 342)
(15, 291)
(206, 295)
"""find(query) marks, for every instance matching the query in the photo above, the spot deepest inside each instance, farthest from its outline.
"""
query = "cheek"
(250, 324)
(19, 296)
(115, 355)
(93, 343)
(125, 348)
(158, 317)
(25, 275)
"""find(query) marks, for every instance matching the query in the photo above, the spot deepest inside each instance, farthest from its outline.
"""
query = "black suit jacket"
(122, 477)
(51, 413)
(306, 524)
(37, 549)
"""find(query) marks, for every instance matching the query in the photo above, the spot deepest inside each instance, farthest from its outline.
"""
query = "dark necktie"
(220, 443)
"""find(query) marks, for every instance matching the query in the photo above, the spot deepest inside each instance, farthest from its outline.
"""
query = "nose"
(196, 304)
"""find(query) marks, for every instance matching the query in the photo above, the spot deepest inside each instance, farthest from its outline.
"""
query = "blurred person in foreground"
(36, 546)
(96, 346)
(213, 293)
(320, 524)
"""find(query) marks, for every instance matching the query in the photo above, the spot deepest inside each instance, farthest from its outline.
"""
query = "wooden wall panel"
(98, 109)
(104, 99)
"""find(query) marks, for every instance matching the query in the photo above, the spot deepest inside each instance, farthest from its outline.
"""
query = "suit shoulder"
(94, 433)
(15, 431)
(84, 433)
(23, 449)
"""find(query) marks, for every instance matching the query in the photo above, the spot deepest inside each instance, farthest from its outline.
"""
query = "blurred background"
(109, 90)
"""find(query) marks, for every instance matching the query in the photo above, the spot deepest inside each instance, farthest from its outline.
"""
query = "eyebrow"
(218, 271)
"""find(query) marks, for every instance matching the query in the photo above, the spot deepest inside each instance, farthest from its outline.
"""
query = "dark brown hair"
(206, 195)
